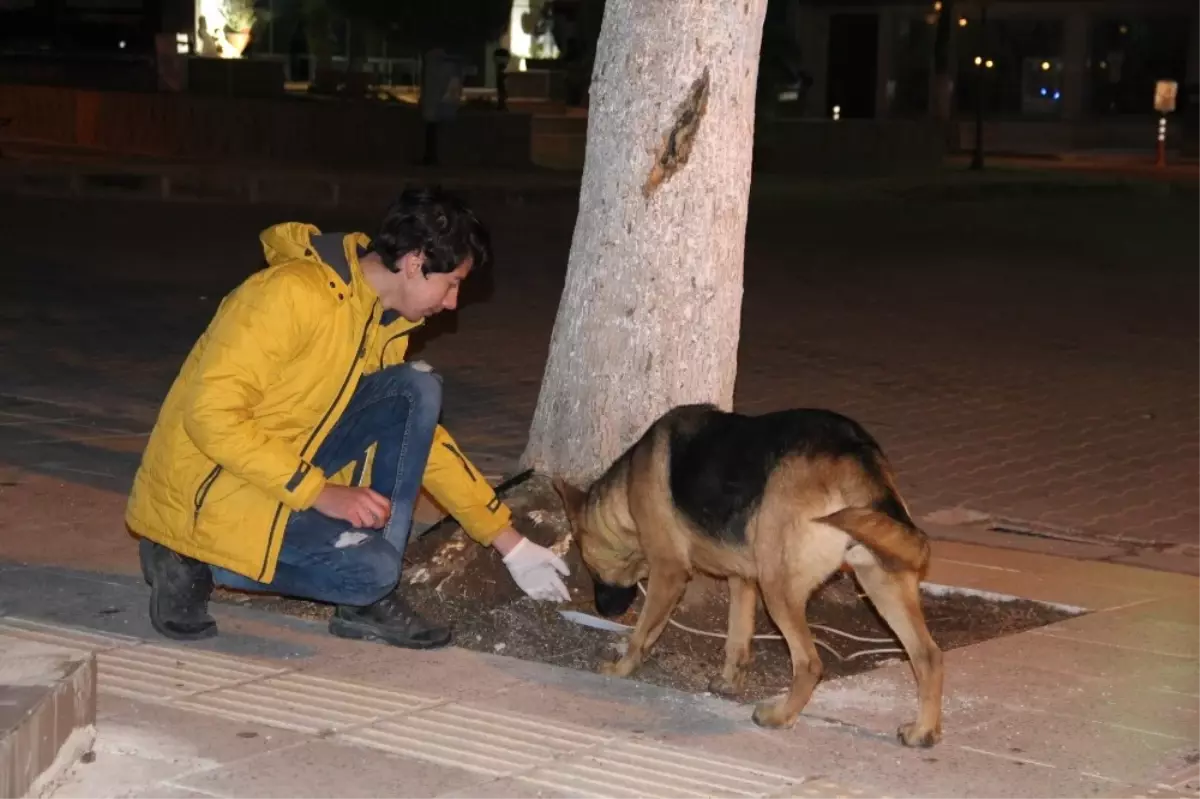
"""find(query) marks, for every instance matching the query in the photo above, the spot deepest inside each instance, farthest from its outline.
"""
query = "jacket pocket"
(205, 486)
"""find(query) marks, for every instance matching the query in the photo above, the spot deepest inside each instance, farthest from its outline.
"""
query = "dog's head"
(612, 557)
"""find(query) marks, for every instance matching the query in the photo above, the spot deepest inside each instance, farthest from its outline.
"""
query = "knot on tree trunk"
(677, 142)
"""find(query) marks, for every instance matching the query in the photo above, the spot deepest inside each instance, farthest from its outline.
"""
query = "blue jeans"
(326, 559)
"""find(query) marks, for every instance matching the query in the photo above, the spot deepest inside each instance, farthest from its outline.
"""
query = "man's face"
(416, 295)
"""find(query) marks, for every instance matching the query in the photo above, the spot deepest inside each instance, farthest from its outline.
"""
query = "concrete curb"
(90, 176)
(50, 708)
(230, 184)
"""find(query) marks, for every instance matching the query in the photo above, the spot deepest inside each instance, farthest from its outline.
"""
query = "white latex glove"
(536, 570)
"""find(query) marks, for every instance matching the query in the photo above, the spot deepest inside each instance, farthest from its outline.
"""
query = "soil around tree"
(451, 579)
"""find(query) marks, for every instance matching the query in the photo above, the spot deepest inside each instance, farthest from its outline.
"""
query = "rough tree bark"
(651, 309)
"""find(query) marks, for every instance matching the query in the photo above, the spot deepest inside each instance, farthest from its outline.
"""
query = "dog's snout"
(613, 600)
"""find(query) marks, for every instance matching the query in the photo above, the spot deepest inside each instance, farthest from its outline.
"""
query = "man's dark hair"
(438, 225)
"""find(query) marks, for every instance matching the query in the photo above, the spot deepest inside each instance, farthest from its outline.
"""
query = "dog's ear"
(572, 498)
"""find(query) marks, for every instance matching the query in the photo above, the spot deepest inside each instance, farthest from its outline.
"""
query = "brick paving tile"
(1050, 381)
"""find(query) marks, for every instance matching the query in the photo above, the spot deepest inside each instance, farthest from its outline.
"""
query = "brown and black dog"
(775, 503)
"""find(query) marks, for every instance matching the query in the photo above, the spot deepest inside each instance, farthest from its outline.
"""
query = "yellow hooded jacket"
(229, 458)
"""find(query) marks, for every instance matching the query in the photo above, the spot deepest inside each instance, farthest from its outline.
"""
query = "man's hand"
(534, 568)
(362, 507)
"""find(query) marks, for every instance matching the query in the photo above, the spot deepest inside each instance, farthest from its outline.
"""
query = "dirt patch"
(450, 578)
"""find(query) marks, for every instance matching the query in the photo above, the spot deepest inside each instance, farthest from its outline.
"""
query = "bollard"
(1161, 159)
(1164, 103)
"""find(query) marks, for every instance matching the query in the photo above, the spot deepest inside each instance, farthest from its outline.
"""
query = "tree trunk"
(651, 309)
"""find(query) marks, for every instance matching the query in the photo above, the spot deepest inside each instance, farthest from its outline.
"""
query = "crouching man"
(290, 450)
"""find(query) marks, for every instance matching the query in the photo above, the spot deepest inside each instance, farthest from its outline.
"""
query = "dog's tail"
(898, 546)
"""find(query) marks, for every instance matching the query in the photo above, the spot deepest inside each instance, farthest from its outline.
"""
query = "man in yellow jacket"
(291, 448)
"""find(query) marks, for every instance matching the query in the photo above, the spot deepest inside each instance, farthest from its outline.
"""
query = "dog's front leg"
(663, 591)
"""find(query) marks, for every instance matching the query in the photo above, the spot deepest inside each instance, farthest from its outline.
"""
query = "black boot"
(390, 620)
(146, 549)
(179, 592)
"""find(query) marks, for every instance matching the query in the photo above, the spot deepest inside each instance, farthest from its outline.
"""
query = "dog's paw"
(912, 734)
(772, 715)
(723, 687)
(622, 667)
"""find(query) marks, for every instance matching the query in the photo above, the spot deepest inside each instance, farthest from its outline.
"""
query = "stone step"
(47, 714)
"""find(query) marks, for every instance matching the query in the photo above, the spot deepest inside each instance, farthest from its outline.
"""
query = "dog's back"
(724, 468)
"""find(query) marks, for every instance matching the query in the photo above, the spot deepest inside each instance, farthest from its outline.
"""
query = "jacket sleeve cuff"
(304, 487)
(483, 525)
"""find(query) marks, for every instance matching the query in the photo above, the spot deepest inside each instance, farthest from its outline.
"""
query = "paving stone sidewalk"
(1028, 362)
(1033, 360)
(1101, 705)
(1047, 383)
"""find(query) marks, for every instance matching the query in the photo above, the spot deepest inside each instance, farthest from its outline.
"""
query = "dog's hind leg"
(743, 602)
(786, 588)
(663, 591)
(897, 597)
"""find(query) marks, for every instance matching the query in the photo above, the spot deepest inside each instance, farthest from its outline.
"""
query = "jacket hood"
(301, 241)
(288, 241)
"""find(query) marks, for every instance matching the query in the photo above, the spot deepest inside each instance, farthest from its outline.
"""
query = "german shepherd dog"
(774, 503)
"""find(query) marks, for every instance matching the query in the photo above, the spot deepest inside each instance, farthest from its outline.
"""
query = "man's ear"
(572, 498)
(411, 263)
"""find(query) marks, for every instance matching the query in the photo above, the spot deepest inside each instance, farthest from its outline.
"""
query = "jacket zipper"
(362, 351)
(383, 349)
(202, 491)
